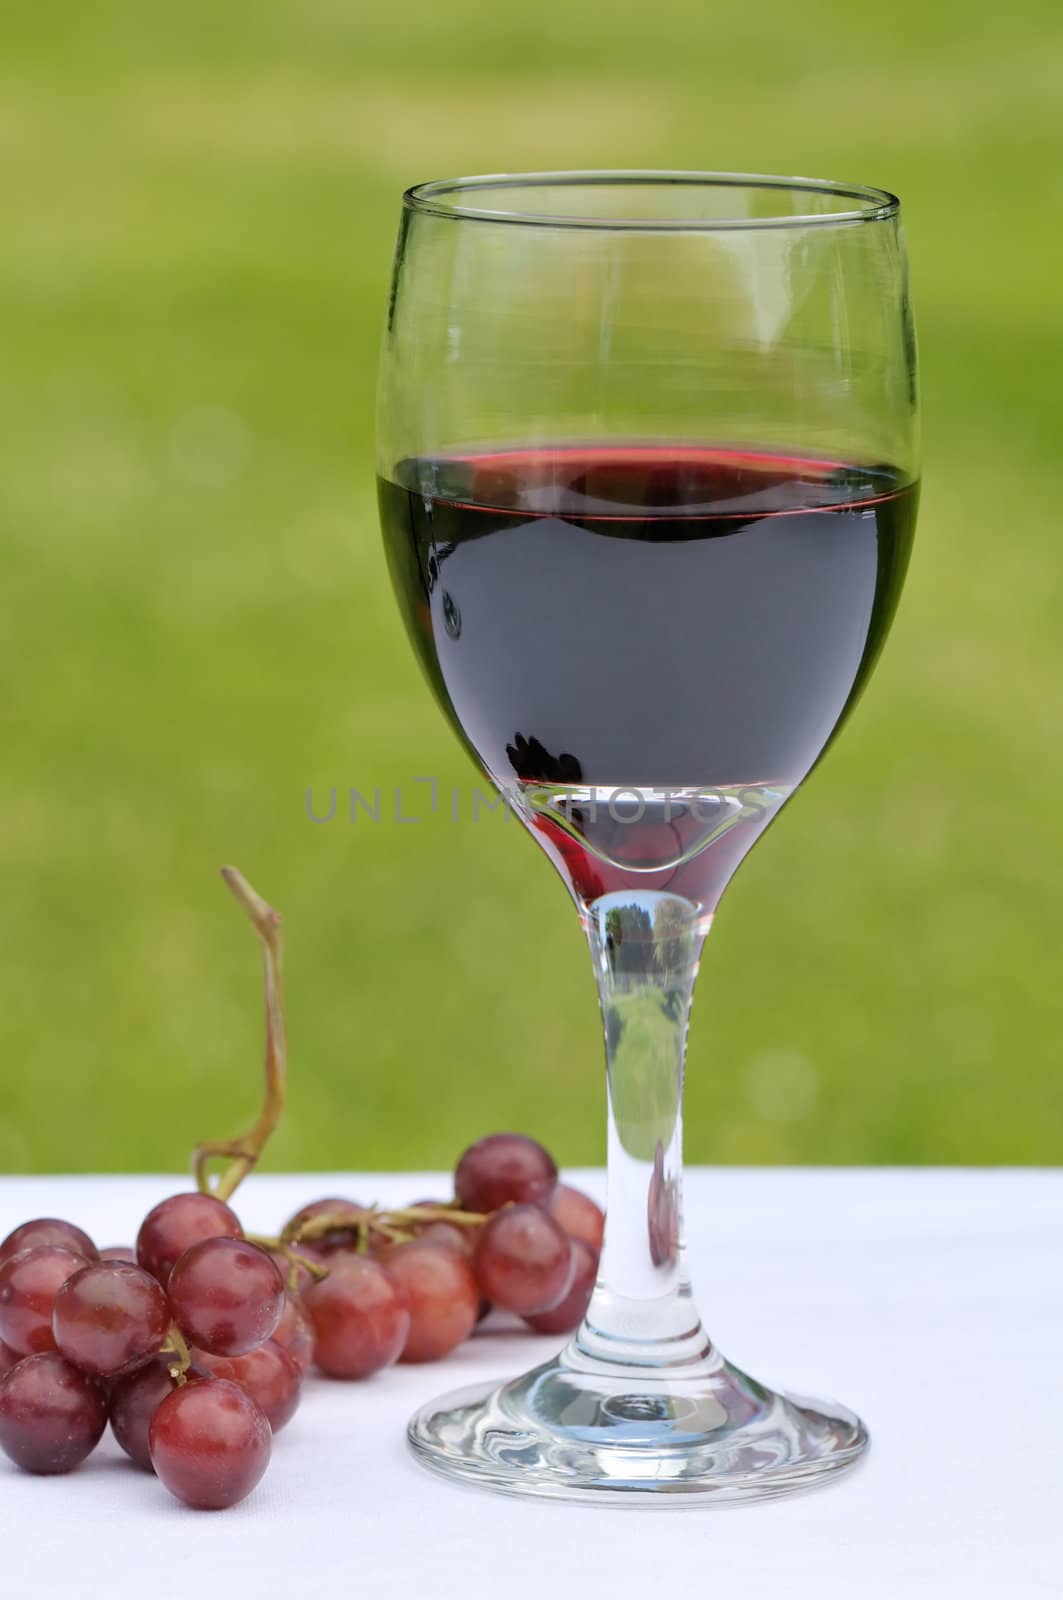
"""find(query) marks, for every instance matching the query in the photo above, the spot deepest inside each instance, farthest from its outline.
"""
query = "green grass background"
(199, 205)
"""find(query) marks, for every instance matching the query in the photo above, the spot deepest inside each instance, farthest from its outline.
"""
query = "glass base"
(567, 1434)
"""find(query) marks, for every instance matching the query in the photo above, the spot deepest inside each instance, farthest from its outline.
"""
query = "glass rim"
(434, 199)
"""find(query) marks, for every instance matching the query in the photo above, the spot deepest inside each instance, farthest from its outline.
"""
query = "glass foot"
(566, 1434)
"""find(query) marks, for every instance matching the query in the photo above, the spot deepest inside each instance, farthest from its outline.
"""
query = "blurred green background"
(199, 210)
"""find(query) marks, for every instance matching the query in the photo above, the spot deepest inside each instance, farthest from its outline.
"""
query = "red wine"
(647, 647)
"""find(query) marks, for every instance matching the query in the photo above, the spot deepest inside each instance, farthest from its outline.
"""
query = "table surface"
(929, 1300)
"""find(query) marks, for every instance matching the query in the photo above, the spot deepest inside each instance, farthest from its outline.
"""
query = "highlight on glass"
(648, 475)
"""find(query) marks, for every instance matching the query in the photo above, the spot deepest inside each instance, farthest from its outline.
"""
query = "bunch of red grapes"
(195, 1344)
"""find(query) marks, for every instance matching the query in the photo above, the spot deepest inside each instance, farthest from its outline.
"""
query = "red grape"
(459, 1238)
(210, 1444)
(569, 1312)
(361, 1317)
(295, 1332)
(178, 1223)
(270, 1375)
(524, 1260)
(110, 1318)
(51, 1415)
(337, 1238)
(29, 1283)
(8, 1359)
(47, 1230)
(449, 1235)
(504, 1168)
(579, 1215)
(443, 1295)
(135, 1399)
(119, 1252)
(227, 1296)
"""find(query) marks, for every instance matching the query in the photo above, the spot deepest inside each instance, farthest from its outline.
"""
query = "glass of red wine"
(648, 480)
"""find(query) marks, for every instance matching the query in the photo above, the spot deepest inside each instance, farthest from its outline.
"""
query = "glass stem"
(646, 948)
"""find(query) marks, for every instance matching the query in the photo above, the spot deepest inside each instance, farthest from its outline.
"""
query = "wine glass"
(648, 481)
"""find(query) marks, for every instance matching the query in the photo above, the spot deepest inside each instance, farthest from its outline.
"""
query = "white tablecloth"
(931, 1301)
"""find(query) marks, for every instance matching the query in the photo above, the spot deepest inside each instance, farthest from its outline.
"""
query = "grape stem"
(243, 1153)
(393, 1222)
(291, 1255)
(177, 1346)
(384, 1219)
